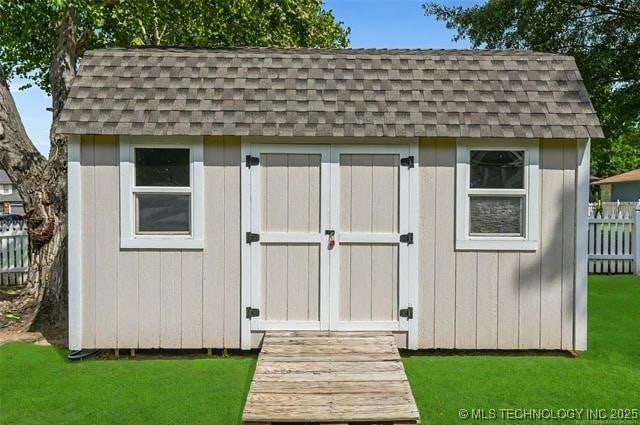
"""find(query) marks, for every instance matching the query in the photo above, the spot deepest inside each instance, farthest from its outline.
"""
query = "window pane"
(496, 215)
(164, 213)
(162, 167)
(497, 169)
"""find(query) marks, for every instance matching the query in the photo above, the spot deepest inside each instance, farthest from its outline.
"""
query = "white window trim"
(530, 241)
(128, 236)
(6, 189)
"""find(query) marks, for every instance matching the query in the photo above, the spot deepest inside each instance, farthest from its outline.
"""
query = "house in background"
(623, 187)
(10, 199)
(215, 194)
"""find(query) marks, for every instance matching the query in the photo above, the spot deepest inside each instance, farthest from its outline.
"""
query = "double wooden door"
(329, 236)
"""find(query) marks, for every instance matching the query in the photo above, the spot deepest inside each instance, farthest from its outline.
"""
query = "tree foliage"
(43, 40)
(602, 35)
(28, 40)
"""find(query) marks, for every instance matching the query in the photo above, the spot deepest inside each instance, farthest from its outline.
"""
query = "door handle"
(330, 232)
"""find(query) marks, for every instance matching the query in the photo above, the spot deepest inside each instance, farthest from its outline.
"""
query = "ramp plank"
(330, 377)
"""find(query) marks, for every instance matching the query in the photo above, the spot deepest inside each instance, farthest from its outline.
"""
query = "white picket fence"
(613, 209)
(14, 253)
(613, 241)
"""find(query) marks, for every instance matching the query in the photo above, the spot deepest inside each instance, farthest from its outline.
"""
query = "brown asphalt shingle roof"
(629, 176)
(329, 92)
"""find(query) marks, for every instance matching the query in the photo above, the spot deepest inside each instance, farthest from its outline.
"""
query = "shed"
(215, 194)
(623, 187)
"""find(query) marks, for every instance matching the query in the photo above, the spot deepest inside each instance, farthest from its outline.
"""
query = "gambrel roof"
(329, 92)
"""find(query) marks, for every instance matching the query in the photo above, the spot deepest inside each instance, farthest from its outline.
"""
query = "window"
(6, 189)
(161, 192)
(497, 195)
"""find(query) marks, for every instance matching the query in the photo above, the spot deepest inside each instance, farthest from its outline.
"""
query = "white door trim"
(250, 269)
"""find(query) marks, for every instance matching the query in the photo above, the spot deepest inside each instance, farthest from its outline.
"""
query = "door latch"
(332, 239)
(252, 237)
(251, 160)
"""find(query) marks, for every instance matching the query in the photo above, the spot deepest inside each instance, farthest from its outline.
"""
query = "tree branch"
(63, 63)
(612, 10)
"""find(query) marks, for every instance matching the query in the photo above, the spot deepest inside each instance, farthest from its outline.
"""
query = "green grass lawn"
(604, 377)
(39, 386)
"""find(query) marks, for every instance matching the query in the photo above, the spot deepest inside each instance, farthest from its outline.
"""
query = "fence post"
(636, 241)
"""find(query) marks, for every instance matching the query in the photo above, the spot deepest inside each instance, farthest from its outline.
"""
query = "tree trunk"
(42, 184)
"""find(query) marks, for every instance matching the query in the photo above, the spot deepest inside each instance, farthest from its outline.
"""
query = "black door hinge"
(407, 162)
(407, 238)
(252, 312)
(252, 160)
(406, 312)
(253, 237)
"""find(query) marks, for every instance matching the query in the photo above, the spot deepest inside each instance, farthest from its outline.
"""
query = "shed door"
(299, 195)
(289, 212)
(369, 213)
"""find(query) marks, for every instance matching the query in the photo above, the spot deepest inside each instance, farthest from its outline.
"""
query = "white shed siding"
(496, 300)
(142, 298)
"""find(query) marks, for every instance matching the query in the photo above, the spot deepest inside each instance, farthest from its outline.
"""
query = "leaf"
(11, 316)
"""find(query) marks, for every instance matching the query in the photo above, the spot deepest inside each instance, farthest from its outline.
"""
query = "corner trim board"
(581, 241)
(74, 208)
(245, 255)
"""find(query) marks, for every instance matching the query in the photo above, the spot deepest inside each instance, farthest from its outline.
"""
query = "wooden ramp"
(330, 377)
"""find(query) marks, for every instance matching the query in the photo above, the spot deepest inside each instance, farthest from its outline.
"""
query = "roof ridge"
(328, 51)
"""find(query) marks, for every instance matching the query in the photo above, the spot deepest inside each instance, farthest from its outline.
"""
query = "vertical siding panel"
(383, 264)
(299, 193)
(107, 240)
(508, 299)
(384, 194)
(487, 300)
(149, 301)
(466, 267)
(529, 309)
(232, 242)
(274, 257)
(88, 199)
(568, 242)
(298, 198)
(345, 192)
(191, 308)
(297, 281)
(170, 298)
(361, 198)
(128, 299)
(275, 186)
(360, 278)
(313, 251)
(345, 282)
(213, 288)
(445, 284)
(427, 241)
(551, 229)
(345, 249)
(314, 282)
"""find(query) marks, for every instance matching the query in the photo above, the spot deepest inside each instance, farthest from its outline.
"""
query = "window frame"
(6, 189)
(530, 192)
(130, 238)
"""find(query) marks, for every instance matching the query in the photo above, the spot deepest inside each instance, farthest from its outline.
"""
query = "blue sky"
(374, 23)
